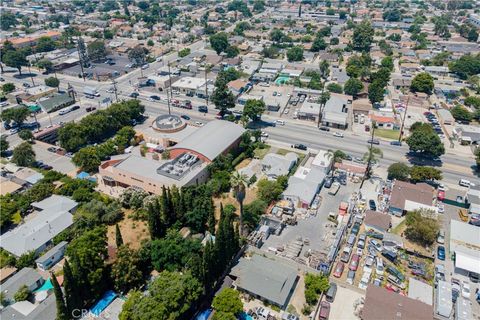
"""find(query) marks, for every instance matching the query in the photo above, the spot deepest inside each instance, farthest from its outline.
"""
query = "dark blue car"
(441, 252)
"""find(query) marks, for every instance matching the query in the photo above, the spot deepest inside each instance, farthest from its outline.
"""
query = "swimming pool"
(282, 80)
(245, 316)
(204, 315)
(103, 303)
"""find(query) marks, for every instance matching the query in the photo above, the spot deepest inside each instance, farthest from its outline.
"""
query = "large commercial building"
(188, 161)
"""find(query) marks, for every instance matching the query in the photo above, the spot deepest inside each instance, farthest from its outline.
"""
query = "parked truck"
(91, 91)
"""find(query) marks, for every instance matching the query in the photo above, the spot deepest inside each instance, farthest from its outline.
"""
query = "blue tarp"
(103, 303)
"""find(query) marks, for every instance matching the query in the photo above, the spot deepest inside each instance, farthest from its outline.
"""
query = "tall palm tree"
(370, 157)
(239, 183)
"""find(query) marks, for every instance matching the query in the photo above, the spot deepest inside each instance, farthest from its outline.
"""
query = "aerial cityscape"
(240, 159)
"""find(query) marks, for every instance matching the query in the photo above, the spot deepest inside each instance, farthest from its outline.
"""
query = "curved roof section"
(212, 139)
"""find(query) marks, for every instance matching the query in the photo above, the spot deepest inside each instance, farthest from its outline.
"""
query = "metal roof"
(212, 139)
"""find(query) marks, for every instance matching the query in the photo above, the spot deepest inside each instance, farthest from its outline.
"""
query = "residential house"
(383, 304)
(361, 107)
(56, 102)
(385, 120)
(467, 134)
(275, 165)
(27, 276)
(377, 221)
(335, 111)
(52, 256)
(407, 196)
(54, 215)
(237, 86)
(268, 279)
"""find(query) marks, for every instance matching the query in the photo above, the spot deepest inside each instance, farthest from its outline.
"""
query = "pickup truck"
(334, 188)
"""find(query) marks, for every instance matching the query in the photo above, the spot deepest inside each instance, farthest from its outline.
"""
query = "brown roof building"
(377, 221)
(381, 304)
(407, 196)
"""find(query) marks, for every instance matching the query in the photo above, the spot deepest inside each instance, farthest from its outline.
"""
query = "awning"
(467, 262)
(34, 108)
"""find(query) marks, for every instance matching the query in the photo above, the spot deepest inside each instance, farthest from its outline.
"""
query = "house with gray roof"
(52, 256)
(275, 165)
(27, 276)
(269, 280)
(335, 112)
(56, 102)
(54, 215)
(25, 310)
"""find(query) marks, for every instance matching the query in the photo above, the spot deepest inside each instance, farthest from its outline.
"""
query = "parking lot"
(59, 163)
(344, 305)
(273, 95)
(102, 68)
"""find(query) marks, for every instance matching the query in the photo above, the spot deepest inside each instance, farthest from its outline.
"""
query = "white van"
(280, 122)
(464, 183)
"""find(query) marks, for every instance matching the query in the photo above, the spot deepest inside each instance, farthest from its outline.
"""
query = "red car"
(354, 263)
(339, 269)
(441, 195)
(324, 310)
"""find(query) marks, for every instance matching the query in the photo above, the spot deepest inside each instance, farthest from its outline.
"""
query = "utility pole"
(115, 89)
(81, 55)
(30, 72)
(403, 120)
(170, 79)
(369, 162)
(206, 84)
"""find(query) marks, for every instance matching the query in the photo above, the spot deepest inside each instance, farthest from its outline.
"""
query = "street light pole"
(30, 72)
(403, 121)
(369, 162)
(115, 89)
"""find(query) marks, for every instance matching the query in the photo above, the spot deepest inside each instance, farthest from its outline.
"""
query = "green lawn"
(283, 152)
(261, 153)
(387, 134)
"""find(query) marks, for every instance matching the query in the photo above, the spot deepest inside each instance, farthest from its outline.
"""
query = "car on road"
(441, 237)
(69, 154)
(324, 312)
(299, 146)
(396, 143)
(75, 108)
(280, 122)
(339, 269)
(373, 141)
(264, 134)
(52, 149)
(145, 66)
(1, 79)
(338, 134)
(358, 160)
(465, 183)
(111, 90)
(372, 205)
(441, 253)
(13, 131)
(134, 95)
(203, 109)
(154, 98)
(198, 123)
(26, 85)
(90, 109)
(184, 116)
(323, 128)
(65, 111)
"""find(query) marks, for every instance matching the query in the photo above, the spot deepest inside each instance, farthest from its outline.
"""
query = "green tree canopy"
(126, 271)
(97, 50)
(335, 88)
(22, 294)
(425, 141)
(315, 284)
(353, 87)
(227, 304)
(422, 82)
(52, 82)
(421, 227)
(362, 36)
(45, 44)
(461, 113)
(254, 109)
(7, 20)
(376, 91)
(399, 171)
(15, 59)
(268, 190)
(295, 53)
(468, 65)
(219, 42)
(26, 135)
(23, 155)
(172, 294)
(425, 173)
(8, 87)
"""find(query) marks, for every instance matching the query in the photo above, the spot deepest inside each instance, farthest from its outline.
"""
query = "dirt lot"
(133, 232)
(343, 305)
(227, 198)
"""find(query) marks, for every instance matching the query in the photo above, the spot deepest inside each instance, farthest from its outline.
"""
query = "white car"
(441, 187)
(145, 66)
(365, 280)
(13, 131)
(465, 289)
(367, 268)
(111, 90)
(159, 59)
(338, 134)
(441, 208)
(379, 268)
(198, 123)
(280, 122)
(264, 134)
(286, 111)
